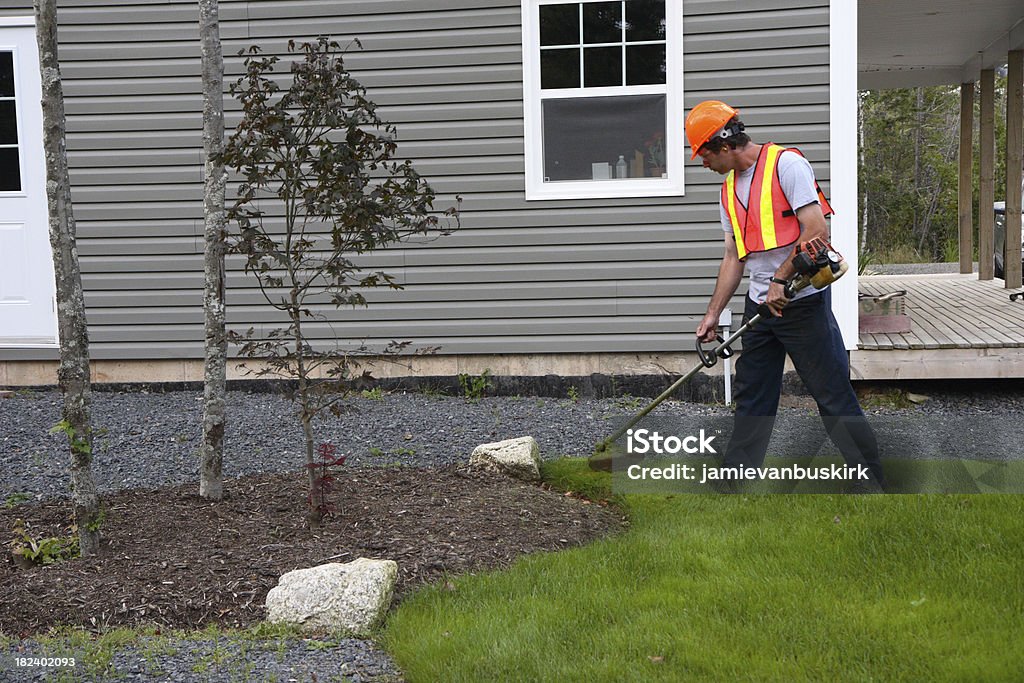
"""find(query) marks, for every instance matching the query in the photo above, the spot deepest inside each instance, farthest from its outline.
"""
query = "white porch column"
(843, 159)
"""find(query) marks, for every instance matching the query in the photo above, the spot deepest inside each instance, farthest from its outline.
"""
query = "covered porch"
(951, 42)
(960, 327)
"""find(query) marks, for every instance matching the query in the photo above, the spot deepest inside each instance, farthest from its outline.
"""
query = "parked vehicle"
(1000, 234)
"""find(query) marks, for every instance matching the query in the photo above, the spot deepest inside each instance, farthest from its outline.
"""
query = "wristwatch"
(780, 281)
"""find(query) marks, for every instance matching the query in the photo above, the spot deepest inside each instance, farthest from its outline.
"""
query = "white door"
(27, 311)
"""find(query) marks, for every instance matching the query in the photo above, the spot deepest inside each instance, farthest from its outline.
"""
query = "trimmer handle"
(708, 358)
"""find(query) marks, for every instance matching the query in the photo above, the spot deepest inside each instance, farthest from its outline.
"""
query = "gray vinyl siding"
(622, 275)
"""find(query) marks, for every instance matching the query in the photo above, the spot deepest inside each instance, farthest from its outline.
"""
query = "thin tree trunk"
(73, 373)
(316, 495)
(214, 387)
(864, 208)
(918, 133)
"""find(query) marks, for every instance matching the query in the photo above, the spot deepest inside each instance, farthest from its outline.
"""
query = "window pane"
(6, 74)
(560, 25)
(560, 69)
(645, 20)
(602, 22)
(10, 174)
(584, 137)
(8, 123)
(645, 64)
(602, 66)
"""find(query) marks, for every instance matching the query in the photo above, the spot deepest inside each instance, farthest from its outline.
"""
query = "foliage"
(629, 402)
(909, 170)
(16, 499)
(325, 478)
(375, 394)
(574, 394)
(474, 388)
(319, 187)
(865, 261)
(78, 444)
(908, 176)
(43, 551)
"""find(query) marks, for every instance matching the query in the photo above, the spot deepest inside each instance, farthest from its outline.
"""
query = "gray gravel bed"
(189, 660)
(149, 440)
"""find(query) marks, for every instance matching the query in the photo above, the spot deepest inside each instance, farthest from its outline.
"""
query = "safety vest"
(767, 221)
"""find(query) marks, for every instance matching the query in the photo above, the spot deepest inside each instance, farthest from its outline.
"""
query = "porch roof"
(933, 42)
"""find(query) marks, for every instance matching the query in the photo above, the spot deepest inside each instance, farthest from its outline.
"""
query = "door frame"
(50, 340)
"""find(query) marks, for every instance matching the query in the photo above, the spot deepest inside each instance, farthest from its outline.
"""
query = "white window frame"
(670, 186)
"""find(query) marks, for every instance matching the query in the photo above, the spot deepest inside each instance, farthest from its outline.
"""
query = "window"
(10, 168)
(602, 93)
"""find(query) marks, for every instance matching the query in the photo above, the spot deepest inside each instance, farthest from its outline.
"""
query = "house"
(583, 247)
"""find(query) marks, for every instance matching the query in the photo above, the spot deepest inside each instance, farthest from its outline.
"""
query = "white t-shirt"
(797, 180)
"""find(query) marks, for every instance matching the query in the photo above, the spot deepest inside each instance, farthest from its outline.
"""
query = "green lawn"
(742, 588)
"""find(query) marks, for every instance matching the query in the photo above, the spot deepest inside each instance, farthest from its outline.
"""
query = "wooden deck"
(960, 327)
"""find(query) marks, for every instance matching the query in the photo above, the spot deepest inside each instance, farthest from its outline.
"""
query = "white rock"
(351, 598)
(519, 458)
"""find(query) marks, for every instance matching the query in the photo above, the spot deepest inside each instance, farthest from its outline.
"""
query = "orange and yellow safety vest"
(767, 221)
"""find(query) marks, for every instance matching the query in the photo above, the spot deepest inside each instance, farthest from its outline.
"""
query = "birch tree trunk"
(73, 372)
(215, 379)
(864, 206)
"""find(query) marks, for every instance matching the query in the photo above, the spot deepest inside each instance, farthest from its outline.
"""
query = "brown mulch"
(172, 558)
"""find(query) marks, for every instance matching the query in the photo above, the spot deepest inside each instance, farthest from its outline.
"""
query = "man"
(770, 203)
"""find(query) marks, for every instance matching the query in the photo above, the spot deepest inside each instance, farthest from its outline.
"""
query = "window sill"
(606, 189)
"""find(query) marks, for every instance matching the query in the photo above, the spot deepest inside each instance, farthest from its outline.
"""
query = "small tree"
(211, 476)
(73, 373)
(318, 186)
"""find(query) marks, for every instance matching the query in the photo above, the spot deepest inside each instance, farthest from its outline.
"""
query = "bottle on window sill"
(621, 170)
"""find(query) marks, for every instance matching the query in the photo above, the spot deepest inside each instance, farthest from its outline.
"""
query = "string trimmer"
(817, 264)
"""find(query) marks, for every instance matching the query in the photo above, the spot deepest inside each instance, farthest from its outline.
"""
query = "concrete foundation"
(592, 375)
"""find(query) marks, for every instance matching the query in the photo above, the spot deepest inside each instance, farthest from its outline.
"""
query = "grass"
(741, 588)
(900, 253)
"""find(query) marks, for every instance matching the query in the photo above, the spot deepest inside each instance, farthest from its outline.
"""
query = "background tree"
(73, 372)
(215, 368)
(908, 170)
(318, 186)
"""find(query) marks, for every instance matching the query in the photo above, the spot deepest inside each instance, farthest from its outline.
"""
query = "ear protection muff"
(730, 129)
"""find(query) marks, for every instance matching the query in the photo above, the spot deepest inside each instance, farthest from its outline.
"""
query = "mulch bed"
(174, 559)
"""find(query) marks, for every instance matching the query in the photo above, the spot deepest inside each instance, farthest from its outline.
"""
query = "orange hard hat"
(706, 119)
